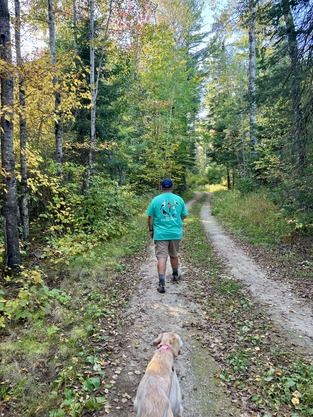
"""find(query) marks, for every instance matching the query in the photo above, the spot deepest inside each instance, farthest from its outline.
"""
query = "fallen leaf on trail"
(295, 401)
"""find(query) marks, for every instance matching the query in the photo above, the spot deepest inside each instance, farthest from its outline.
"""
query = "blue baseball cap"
(167, 183)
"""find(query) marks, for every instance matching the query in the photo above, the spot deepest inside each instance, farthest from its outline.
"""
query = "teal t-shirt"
(167, 210)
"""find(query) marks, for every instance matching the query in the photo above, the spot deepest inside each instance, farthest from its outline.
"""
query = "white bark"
(23, 130)
(94, 82)
(300, 128)
(57, 95)
(252, 73)
(10, 212)
(92, 90)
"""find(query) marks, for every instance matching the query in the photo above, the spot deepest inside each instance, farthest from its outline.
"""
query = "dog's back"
(156, 405)
(158, 393)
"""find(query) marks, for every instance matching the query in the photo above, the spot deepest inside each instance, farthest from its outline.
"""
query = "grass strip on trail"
(260, 372)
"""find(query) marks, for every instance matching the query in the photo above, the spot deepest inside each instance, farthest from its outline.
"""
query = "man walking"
(165, 219)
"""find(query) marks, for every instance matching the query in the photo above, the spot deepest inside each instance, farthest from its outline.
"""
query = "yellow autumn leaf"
(36, 276)
(295, 401)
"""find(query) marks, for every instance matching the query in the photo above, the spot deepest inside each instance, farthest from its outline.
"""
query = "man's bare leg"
(161, 265)
(174, 264)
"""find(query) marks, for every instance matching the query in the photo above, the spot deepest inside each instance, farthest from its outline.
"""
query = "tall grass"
(252, 215)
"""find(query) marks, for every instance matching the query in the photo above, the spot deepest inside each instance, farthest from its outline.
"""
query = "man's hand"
(151, 234)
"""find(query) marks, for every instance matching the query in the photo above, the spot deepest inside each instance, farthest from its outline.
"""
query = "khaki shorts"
(165, 248)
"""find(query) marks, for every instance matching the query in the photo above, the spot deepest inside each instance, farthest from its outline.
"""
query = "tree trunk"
(92, 90)
(228, 179)
(23, 131)
(75, 27)
(300, 128)
(94, 84)
(10, 211)
(57, 96)
(252, 74)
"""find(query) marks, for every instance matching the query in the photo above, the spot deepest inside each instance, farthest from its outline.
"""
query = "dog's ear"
(180, 345)
(176, 344)
(158, 339)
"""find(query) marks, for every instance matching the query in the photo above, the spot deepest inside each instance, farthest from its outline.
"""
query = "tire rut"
(291, 313)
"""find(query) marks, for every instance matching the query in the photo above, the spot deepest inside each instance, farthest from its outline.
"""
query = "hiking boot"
(176, 277)
(161, 287)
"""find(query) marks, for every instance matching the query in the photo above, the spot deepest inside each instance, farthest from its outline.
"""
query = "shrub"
(29, 299)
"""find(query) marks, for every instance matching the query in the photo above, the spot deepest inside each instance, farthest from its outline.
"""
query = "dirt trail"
(291, 313)
(150, 313)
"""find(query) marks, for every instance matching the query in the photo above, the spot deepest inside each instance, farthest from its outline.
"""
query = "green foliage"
(228, 286)
(196, 181)
(79, 392)
(107, 208)
(282, 157)
(283, 212)
(60, 327)
(247, 185)
(29, 299)
(215, 174)
(295, 197)
(163, 105)
(292, 386)
(78, 223)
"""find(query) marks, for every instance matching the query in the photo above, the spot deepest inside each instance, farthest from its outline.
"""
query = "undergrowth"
(255, 363)
(53, 319)
(252, 215)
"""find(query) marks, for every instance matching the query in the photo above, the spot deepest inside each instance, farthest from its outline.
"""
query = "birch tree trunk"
(23, 131)
(252, 75)
(75, 27)
(57, 95)
(91, 7)
(94, 83)
(10, 212)
(300, 128)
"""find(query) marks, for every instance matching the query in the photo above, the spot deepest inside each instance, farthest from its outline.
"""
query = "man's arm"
(184, 213)
(150, 224)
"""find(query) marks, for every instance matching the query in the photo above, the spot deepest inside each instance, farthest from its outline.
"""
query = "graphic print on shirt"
(169, 210)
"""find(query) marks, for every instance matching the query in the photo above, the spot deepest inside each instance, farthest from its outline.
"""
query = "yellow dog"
(158, 394)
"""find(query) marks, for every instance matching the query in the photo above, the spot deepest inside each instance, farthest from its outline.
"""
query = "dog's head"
(170, 339)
